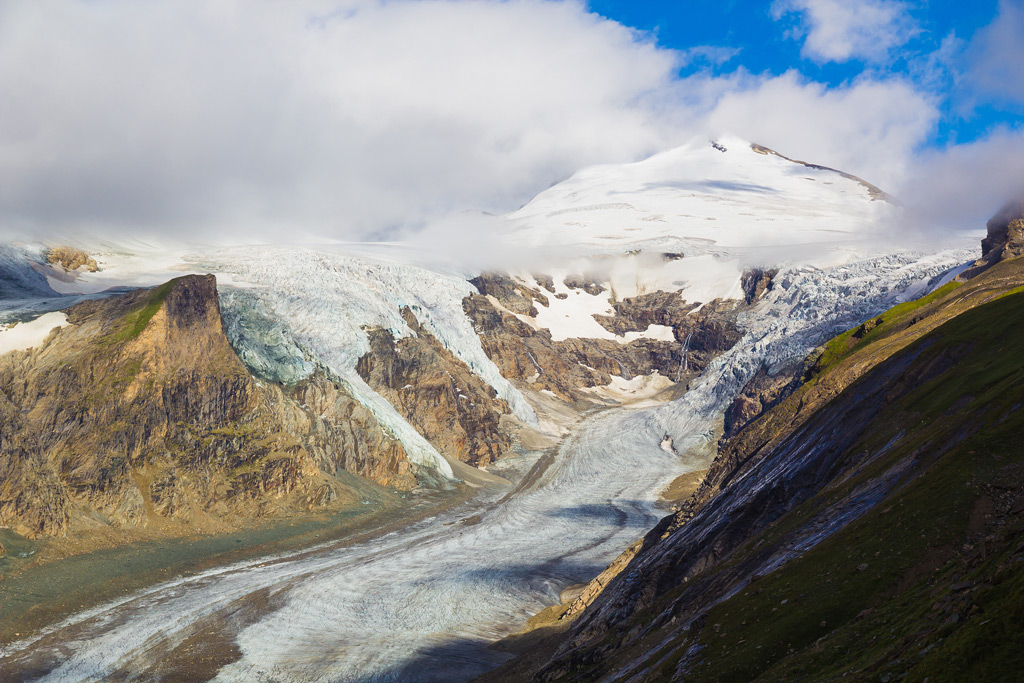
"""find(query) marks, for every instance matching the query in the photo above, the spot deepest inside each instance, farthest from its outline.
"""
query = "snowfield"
(724, 193)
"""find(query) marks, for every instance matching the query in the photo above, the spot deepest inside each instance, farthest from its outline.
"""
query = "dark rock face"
(437, 393)
(139, 408)
(1005, 237)
(757, 281)
(764, 391)
(565, 367)
(514, 296)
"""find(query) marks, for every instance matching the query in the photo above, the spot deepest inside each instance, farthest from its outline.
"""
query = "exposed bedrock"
(71, 258)
(1005, 237)
(528, 354)
(515, 296)
(139, 408)
(437, 393)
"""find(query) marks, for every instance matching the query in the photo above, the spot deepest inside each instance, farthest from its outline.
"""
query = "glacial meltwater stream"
(421, 604)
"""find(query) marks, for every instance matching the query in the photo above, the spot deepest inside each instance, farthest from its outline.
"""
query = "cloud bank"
(224, 120)
(342, 120)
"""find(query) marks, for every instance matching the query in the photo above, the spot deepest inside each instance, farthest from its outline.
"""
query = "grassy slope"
(820, 616)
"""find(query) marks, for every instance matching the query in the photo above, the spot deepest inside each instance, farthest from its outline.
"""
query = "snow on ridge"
(27, 335)
(806, 307)
(729, 194)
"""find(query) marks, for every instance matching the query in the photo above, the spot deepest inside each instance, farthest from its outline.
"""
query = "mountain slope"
(879, 516)
(138, 410)
(729, 193)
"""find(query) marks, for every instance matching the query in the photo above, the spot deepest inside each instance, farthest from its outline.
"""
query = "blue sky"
(770, 44)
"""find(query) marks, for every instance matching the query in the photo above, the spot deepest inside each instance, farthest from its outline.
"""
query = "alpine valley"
(708, 422)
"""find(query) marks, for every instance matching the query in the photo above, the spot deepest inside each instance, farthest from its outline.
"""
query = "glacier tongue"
(327, 299)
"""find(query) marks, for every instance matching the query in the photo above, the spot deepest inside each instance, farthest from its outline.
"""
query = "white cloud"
(338, 119)
(840, 30)
(996, 56)
(357, 119)
(870, 128)
(715, 55)
(960, 187)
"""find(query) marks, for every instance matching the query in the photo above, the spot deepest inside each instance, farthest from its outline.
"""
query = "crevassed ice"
(327, 300)
(806, 307)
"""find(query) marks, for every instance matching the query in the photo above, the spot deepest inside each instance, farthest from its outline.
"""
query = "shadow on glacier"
(623, 514)
(540, 577)
(708, 185)
(460, 659)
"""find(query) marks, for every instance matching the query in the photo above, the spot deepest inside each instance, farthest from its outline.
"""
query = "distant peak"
(873, 190)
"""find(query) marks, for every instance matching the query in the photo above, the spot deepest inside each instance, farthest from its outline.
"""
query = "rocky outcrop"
(515, 296)
(757, 281)
(140, 409)
(636, 314)
(566, 367)
(71, 258)
(765, 390)
(588, 283)
(437, 393)
(1005, 238)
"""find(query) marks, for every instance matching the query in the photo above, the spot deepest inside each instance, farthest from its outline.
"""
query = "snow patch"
(27, 335)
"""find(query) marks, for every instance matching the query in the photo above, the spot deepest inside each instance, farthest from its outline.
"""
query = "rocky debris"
(757, 281)
(545, 281)
(437, 393)
(636, 314)
(140, 409)
(70, 258)
(515, 296)
(588, 283)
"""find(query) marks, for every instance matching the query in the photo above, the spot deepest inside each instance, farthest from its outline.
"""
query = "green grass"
(894, 319)
(135, 321)
(816, 634)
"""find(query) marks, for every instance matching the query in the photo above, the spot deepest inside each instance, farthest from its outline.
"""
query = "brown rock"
(437, 393)
(71, 258)
(757, 281)
(139, 409)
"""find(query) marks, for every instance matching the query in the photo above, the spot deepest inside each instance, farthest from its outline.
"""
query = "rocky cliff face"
(139, 409)
(1005, 237)
(527, 354)
(437, 393)
(71, 258)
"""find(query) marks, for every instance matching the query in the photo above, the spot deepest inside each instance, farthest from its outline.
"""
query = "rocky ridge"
(139, 409)
(527, 353)
(437, 393)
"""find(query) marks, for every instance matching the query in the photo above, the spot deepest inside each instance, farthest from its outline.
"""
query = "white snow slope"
(723, 192)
